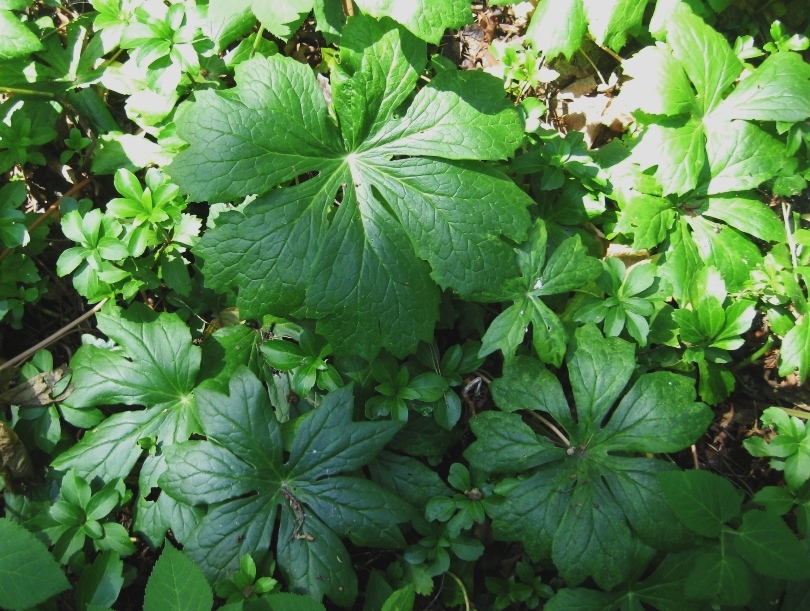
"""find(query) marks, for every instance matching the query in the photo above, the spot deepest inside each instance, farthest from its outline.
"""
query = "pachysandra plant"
(584, 496)
(395, 208)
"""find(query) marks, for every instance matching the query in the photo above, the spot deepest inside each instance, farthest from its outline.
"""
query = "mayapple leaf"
(427, 19)
(558, 26)
(779, 90)
(318, 492)
(157, 368)
(582, 503)
(400, 202)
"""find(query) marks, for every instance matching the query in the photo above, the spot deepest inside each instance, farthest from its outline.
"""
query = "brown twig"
(53, 337)
(53, 207)
(348, 8)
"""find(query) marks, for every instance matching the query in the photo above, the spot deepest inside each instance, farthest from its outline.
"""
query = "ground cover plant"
(404, 305)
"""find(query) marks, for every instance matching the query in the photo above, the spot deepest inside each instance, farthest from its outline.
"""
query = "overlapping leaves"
(568, 268)
(241, 474)
(707, 148)
(582, 503)
(157, 366)
(393, 210)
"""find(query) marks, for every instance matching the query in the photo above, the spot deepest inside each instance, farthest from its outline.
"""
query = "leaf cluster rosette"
(241, 473)
(583, 501)
(400, 204)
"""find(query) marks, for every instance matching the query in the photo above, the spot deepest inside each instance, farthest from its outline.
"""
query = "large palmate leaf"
(695, 138)
(156, 366)
(240, 473)
(559, 25)
(393, 210)
(568, 268)
(582, 502)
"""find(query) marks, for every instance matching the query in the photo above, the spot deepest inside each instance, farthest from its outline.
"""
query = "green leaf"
(742, 156)
(508, 445)
(318, 503)
(795, 352)
(568, 268)
(16, 40)
(412, 213)
(725, 249)
(100, 582)
(703, 501)
(580, 504)
(557, 27)
(749, 216)
(284, 601)
(724, 578)
(425, 18)
(705, 55)
(158, 371)
(679, 151)
(768, 545)
(28, 573)
(660, 85)
(177, 584)
(777, 91)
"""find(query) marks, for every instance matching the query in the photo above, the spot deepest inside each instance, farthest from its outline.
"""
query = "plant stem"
(755, 356)
(463, 590)
(53, 207)
(18, 91)
(551, 425)
(348, 8)
(53, 337)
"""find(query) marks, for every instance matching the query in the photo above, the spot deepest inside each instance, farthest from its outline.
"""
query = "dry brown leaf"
(37, 391)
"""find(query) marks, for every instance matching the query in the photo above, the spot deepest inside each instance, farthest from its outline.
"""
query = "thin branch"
(53, 337)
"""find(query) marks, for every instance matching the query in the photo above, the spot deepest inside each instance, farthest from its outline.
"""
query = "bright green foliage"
(15, 39)
(152, 205)
(177, 584)
(629, 300)
(239, 472)
(13, 231)
(76, 144)
(243, 585)
(157, 369)
(697, 139)
(579, 506)
(306, 361)
(711, 330)
(368, 273)
(21, 135)
(790, 448)
(558, 26)
(528, 589)
(427, 19)
(396, 388)
(100, 246)
(28, 573)
(795, 353)
(783, 41)
(80, 514)
(463, 509)
(568, 268)
(705, 503)
(663, 589)
(100, 582)
(161, 33)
